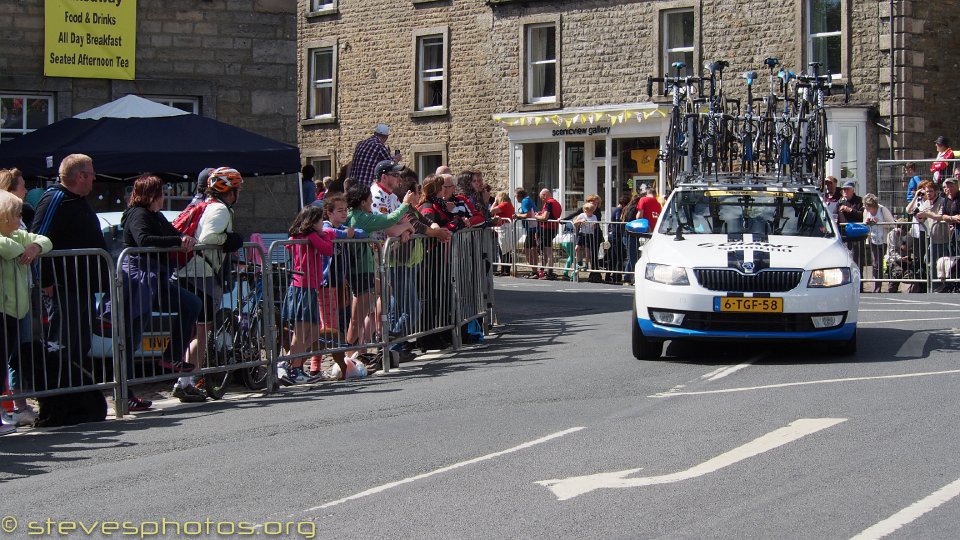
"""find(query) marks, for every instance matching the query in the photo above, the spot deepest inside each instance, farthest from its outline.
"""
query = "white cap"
(382, 129)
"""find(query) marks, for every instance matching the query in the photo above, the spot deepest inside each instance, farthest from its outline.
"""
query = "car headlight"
(666, 274)
(829, 277)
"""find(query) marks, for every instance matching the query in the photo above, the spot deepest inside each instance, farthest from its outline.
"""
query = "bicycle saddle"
(717, 65)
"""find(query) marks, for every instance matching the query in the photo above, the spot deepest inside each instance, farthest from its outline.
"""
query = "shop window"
(541, 63)
(321, 96)
(541, 168)
(677, 27)
(186, 104)
(824, 35)
(431, 72)
(23, 113)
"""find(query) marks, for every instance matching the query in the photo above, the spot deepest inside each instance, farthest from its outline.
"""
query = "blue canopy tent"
(133, 135)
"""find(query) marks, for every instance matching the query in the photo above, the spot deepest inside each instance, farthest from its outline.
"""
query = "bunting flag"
(612, 117)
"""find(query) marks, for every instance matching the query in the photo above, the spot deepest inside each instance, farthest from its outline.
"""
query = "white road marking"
(714, 372)
(714, 376)
(911, 513)
(907, 320)
(384, 487)
(568, 488)
(729, 371)
(902, 310)
(804, 383)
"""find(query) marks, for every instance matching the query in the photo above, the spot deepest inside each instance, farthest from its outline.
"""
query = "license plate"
(737, 304)
(154, 343)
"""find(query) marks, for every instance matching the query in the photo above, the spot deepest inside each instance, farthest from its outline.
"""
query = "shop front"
(612, 151)
(608, 151)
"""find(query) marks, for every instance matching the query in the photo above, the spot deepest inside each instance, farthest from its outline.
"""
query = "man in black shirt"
(64, 215)
(951, 210)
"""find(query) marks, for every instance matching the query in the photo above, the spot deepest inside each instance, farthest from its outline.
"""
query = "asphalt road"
(551, 430)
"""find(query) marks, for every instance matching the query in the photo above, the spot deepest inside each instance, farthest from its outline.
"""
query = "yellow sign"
(90, 39)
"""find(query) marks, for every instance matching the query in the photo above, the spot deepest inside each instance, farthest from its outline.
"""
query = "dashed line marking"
(911, 513)
(671, 393)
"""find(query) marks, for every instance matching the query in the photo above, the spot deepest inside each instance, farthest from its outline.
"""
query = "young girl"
(301, 307)
(585, 223)
(18, 249)
(334, 270)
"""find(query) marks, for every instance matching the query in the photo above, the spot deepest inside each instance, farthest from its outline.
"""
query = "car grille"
(726, 279)
(749, 322)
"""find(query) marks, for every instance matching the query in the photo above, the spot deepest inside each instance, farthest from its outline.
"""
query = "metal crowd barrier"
(147, 317)
(61, 345)
(892, 182)
(909, 257)
(417, 290)
(594, 251)
(178, 314)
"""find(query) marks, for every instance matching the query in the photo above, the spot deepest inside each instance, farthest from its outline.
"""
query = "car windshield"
(745, 211)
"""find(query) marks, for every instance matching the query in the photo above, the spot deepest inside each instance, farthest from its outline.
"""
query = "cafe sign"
(90, 39)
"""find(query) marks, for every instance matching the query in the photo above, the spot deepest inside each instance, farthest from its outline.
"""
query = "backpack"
(186, 223)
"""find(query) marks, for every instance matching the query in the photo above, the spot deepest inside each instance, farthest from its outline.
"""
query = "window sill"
(322, 12)
(430, 113)
(544, 106)
(326, 120)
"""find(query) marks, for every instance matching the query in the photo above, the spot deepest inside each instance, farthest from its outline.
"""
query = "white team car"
(745, 260)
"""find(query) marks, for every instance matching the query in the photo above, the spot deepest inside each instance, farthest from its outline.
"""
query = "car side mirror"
(639, 227)
(855, 231)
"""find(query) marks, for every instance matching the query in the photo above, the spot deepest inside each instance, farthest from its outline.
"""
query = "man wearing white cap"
(368, 153)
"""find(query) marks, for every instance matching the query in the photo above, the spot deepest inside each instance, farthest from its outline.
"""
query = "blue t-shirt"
(912, 187)
(526, 205)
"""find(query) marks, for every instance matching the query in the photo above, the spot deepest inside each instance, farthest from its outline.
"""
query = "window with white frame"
(323, 5)
(321, 94)
(541, 63)
(825, 35)
(431, 72)
(23, 113)
(678, 36)
(188, 104)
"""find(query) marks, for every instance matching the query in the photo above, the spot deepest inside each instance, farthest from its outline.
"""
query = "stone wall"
(237, 56)
(927, 69)
(607, 50)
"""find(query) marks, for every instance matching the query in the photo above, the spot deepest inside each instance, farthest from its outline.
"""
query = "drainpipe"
(892, 80)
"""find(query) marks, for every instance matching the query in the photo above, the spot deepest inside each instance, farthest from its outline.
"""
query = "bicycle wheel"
(253, 349)
(221, 350)
(822, 152)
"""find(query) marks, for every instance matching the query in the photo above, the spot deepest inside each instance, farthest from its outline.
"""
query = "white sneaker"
(23, 417)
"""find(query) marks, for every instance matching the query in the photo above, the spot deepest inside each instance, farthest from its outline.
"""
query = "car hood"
(747, 252)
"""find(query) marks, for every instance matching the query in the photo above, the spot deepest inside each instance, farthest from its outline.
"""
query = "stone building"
(536, 93)
(232, 60)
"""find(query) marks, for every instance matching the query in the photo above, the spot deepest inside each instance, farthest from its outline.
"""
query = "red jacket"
(937, 167)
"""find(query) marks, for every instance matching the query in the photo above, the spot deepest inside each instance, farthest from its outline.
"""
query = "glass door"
(573, 176)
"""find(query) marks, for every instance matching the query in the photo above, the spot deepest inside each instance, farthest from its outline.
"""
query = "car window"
(737, 211)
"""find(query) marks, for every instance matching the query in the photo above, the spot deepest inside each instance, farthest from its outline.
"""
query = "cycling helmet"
(223, 179)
